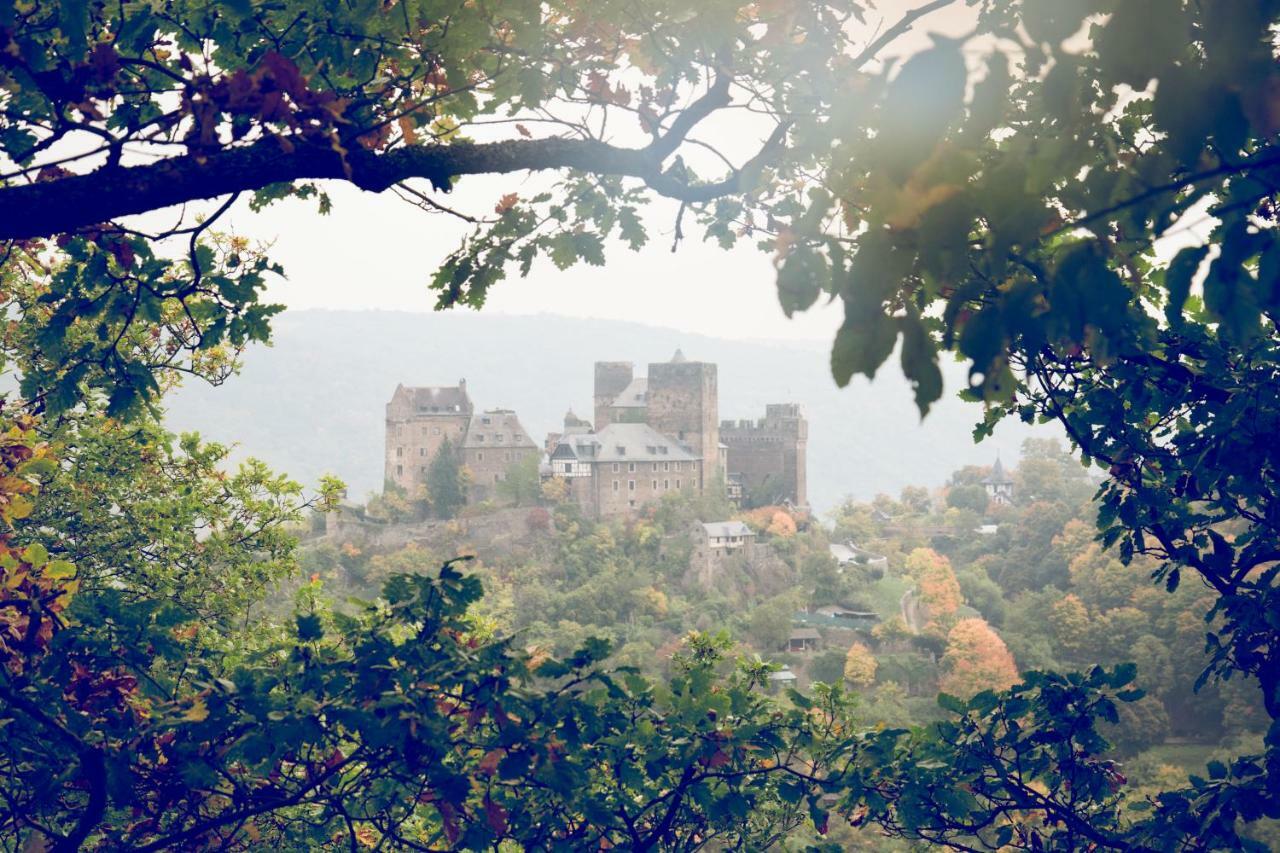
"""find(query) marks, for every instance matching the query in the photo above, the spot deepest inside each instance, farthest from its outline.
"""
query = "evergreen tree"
(444, 481)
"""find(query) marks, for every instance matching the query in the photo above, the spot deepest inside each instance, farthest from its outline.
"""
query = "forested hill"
(313, 402)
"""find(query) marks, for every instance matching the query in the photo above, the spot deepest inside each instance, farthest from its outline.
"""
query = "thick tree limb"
(66, 204)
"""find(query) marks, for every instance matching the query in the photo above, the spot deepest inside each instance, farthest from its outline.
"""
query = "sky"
(378, 252)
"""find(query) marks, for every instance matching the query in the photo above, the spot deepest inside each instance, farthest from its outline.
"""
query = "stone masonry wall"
(682, 403)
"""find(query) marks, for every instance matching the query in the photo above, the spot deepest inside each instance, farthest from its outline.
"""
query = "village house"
(804, 640)
(715, 543)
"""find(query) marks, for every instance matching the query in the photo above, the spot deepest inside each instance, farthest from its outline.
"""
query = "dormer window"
(622, 451)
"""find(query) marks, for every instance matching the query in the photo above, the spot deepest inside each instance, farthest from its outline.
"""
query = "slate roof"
(448, 400)
(500, 422)
(625, 443)
(998, 477)
(634, 396)
(724, 529)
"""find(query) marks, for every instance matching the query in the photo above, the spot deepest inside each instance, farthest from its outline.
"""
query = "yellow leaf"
(59, 570)
(19, 507)
(198, 712)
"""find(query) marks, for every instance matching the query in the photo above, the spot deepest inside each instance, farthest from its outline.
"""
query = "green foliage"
(1015, 226)
(445, 487)
(147, 514)
(521, 485)
(971, 497)
(827, 666)
(769, 624)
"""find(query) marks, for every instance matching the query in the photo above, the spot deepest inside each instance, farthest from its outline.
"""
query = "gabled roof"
(723, 529)
(634, 396)
(626, 443)
(805, 634)
(485, 427)
(563, 450)
(408, 401)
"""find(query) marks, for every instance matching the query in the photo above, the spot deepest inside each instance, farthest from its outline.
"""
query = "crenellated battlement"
(769, 454)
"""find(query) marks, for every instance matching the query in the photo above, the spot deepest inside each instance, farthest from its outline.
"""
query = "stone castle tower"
(682, 402)
(612, 378)
(678, 398)
(770, 455)
(418, 422)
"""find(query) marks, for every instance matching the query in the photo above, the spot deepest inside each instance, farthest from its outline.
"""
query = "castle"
(768, 456)
(421, 420)
(652, 435)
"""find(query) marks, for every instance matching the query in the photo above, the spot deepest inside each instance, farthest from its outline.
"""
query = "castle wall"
(413, 442)
(758, 458)
(489, 466)
(683, 404)
(770, 454)
(495, 441)
(634, 484)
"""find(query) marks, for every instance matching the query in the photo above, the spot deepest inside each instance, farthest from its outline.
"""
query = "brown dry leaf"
(507, 202)
(407, 130)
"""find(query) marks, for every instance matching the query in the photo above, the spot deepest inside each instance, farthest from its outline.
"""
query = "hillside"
(313, 402)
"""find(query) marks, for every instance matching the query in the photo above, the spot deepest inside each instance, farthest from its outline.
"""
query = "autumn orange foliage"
(937, 586)
(976, 659)
(860, 665)
(774, 520)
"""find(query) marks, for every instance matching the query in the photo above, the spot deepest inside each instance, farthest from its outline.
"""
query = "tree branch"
(79, 201)
(905, 23)
(716, 96)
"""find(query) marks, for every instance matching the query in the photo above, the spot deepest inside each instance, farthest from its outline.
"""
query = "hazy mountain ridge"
(313, 402)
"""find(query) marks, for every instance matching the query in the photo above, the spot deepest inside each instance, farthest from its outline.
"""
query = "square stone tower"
(418, 422)
(683, 403)
(612, 378)
(769, 455)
